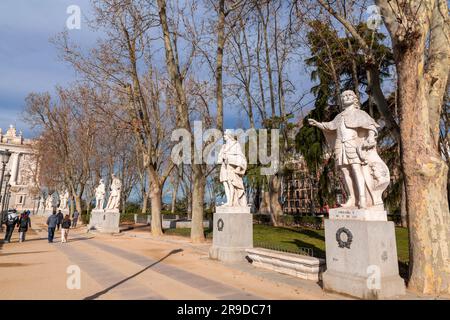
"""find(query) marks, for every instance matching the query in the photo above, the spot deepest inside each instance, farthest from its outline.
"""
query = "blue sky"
(28, 61)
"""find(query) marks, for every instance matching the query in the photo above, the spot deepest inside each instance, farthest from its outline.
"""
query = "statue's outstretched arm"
(315, 123)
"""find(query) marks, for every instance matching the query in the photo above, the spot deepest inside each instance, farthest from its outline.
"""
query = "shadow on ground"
(317, 252)
(98, 294)
(16, 253)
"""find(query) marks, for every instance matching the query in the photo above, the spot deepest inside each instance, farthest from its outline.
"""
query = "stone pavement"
(135, 265)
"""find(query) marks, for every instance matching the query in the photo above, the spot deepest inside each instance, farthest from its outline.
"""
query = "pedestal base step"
(372, 288)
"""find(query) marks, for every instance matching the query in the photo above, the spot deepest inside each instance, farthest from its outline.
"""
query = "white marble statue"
(233, 166)
(63, 199)
(100, 192)
(41, 203)
(114, 195)
(49, 202)
(352, 135)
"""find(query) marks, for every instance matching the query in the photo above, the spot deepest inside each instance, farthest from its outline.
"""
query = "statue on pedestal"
(49, 202)
(114, 196)
(63, 198)
(41, 203)
(100, 192)
(352, 135)
(232, 170)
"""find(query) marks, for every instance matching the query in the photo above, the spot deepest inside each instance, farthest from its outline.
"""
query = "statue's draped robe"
(237, 164)
(346, 133)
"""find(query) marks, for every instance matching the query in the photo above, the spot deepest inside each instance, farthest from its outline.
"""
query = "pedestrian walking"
(75, 218)
(65, 226)
(24, 223)
(52, 221)
(11, 221)
(60, 219)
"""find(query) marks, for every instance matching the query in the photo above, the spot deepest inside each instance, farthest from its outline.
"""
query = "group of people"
(55, 222)
(58, 221)
(12, 220)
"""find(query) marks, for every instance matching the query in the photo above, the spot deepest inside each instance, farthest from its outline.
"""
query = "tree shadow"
(14, 264)
(98, 294)
(17, 253)
(79, 239)
(403, 270)
(310, 233)
(317, 252)
(17, 241)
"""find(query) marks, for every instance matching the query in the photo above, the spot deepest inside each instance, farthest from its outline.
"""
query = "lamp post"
(6, 192)
(4, 158)
(8, 195)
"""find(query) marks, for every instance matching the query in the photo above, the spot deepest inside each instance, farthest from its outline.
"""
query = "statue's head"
(228, 135)
(348, 99)
(101, 181)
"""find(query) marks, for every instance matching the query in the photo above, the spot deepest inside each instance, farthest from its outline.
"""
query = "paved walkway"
(132, 265)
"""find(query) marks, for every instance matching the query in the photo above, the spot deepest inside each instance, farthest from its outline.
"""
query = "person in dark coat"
(60, 217)
(11, 221)
(65, 226)
(24, 223)
(52, 221)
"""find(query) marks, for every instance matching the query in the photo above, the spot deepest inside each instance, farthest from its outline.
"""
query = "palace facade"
(22, 187)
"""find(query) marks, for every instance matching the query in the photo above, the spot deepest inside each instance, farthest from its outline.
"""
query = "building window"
(20, 199)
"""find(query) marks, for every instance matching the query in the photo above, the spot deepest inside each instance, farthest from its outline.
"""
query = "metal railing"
(304, 251)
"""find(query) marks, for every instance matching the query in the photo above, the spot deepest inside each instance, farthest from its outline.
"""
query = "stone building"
(22, 165)
(299, 189)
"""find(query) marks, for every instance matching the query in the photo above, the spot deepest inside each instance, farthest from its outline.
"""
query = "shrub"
(261, 218)
(127, 217)
(396, 218)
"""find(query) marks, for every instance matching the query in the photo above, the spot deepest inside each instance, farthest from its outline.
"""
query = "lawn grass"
(186, 232)
(295, 239)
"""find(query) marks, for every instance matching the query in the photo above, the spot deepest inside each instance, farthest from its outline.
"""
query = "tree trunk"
(426, 183)
(422, 80)
(71, 206)
(156, 205)
(262, 109)
(220, 47)
(403, 211)
(276, 210)
(198, 192)
(145, 202)
(264, 21)
(174, 195)
(88, 208)
(189, 206)
(78, 203)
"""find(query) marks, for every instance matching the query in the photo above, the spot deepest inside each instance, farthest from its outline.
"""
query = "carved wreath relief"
(344, 237)
(220, 224)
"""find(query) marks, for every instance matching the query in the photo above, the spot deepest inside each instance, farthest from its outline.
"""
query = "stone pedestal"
(105, 221)
(362, 259)
(232, 233)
